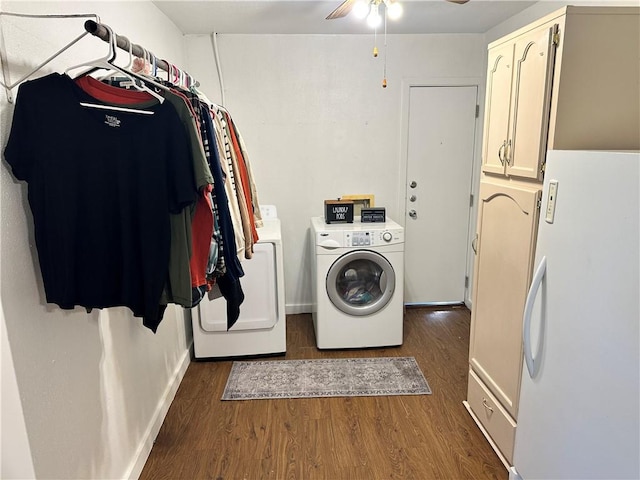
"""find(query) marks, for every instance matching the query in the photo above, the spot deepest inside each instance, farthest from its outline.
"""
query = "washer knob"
(386, 236)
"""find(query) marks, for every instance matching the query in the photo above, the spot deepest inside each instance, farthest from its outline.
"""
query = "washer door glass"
(360, 282)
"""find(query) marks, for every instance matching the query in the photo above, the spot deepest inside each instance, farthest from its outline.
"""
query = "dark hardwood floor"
(370, 438)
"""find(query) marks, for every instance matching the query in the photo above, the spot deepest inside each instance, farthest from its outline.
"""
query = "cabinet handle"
(507, 153)
(486, 405)
(500, 157)
(474, 244)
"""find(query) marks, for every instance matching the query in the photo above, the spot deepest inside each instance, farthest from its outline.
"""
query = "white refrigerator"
(579, 409)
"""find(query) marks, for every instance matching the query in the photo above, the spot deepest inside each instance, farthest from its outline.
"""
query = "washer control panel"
(359, 239)
(372, 238)
(355, 235)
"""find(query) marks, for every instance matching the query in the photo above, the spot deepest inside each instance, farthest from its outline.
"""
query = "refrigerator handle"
(532, 366)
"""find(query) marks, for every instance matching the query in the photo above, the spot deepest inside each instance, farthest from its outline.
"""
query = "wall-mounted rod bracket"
(6, 82)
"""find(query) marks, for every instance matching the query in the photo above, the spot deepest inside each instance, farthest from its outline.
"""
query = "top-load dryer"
(358, 283)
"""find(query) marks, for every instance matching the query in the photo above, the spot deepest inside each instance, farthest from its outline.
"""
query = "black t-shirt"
(101, 185)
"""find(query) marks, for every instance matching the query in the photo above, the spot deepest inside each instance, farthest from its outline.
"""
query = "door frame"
(407, 85)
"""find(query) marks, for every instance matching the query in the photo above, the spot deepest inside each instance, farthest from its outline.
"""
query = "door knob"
(413, 184)
(413, 214)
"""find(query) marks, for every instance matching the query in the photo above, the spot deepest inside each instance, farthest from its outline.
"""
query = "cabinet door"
(531, 100)
(496, 120)
(507, 225)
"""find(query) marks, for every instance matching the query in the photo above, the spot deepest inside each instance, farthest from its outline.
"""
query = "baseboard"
(502, 458)
(293, 309)
(146, 444)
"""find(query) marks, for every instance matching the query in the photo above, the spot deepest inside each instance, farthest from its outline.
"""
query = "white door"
(441, 138)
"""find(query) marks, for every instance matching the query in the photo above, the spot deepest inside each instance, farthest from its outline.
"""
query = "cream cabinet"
(507, 225)
(508, 220)
(566, 82)
(518, 101)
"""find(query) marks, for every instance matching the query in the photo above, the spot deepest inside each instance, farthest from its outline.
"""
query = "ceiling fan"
(347, 5)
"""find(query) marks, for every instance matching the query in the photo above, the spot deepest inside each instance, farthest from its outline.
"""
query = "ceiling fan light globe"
(374, 19)
(394, 10)
(361, 9)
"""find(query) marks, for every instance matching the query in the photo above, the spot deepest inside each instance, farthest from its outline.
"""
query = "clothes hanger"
(126, 67)
(106, 63)
(5, 82)
(146, 56)
(110, 56)
(103, 62)
(176, 75)
(152, 80)
(154, 66)
(169, 70)
(141, 87)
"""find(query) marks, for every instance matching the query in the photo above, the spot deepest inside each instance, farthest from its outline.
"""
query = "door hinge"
(477, 111)
(466, 282)
(539, 204)
(543, 166)
(555, 37)
(471, 200)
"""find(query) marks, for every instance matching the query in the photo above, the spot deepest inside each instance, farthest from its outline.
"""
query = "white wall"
(15, 461)
(317, 122)
(93, 388)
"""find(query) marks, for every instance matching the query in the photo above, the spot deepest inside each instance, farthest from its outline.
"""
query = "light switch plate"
(551, 201)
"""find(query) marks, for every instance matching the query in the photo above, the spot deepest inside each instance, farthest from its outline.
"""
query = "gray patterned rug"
(347, 377)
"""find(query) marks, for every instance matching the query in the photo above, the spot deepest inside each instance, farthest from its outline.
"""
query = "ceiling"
(308, 16)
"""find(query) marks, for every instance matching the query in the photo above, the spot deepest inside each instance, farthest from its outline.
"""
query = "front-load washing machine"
(358, 283)
(261, 326)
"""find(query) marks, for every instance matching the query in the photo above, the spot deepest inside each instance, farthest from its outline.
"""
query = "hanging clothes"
(136, 203)
(191, 227)
(195, 226)
(203, 231)
(223, 146)
(229, 281)
(241, 172)
(255, 203)
(101, 186)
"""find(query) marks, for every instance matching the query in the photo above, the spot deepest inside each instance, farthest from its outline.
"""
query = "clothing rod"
(101, 31)
(66, 15)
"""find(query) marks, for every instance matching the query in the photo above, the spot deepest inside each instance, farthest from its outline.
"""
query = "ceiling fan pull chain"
(384, 71)
(375, 42)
